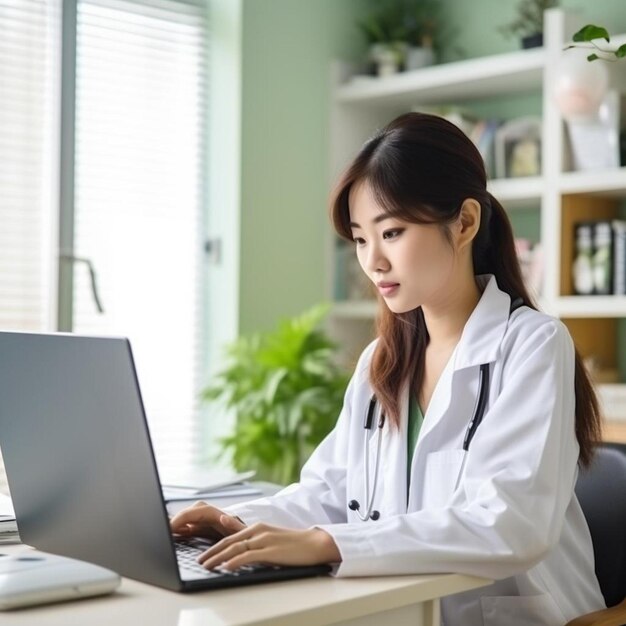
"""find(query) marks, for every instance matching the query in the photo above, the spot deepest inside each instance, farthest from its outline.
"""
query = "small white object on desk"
(32, 577)
(209, 485)
(8, 525)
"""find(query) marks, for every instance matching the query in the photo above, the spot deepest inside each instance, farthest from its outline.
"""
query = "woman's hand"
(262, 543)
(203, 520)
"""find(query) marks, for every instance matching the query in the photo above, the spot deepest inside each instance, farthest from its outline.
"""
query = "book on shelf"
(599, 265)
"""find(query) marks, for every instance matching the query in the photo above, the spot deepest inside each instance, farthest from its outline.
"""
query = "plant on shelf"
(528, 24)
(287, 393)
(590, 32)
(402, 33)
(424, 29)
(385, 34)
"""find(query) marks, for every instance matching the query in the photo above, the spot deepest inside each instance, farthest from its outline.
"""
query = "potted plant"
(384, 30)
(529, 22)
(287, 392)
(587, 34)
(423, 26)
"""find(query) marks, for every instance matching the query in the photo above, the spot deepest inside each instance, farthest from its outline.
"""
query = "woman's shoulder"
(365, 358)
(531, 328)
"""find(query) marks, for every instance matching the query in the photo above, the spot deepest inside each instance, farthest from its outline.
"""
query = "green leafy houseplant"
(384, 24)
(529, 19)
(423, 22)
(589, 32)
(287, 393)
(401, 24)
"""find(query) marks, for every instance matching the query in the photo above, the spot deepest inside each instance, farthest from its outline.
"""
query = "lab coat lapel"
(479, 343)
(485, 328)
(441, 398)
(394, 453)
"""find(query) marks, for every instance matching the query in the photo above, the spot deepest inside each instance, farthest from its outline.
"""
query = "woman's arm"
(518, 481)
(320, 495)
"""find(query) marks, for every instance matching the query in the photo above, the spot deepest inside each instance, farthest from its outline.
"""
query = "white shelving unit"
(360, 105)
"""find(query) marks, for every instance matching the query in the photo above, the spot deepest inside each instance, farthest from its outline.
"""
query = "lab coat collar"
(485, 328)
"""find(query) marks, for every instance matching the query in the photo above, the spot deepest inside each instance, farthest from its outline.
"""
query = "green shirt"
(413, 430)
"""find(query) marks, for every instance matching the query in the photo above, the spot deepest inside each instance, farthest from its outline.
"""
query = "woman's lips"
(387, 289)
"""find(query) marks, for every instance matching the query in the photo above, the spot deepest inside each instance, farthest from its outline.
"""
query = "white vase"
(385, 57)
(419, 57)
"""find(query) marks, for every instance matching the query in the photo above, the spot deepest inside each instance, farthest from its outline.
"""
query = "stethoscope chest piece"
(353, 505)
(480, 406)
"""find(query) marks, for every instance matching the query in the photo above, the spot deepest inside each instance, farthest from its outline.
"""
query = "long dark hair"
(421, 168)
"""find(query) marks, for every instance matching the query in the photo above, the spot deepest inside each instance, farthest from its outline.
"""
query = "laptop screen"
(78, 455)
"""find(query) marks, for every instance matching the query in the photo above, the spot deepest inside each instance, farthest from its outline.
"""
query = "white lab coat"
(512, 517)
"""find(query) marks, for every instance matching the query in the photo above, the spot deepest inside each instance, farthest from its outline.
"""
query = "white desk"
(394, 601)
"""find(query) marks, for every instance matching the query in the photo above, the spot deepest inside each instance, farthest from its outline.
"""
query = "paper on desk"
(8, 525)
(173, 494)
(205, 482)
(6, 507)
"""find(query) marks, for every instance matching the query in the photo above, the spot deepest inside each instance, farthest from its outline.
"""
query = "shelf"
(609, 183)
(500, 74)
(591, 306)
(613, 400)
(355, 309)
(516, 193)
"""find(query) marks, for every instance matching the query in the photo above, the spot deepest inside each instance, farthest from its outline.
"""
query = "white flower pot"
(419, 57)
(385, 57)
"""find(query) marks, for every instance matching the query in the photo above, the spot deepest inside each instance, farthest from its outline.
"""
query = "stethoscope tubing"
(477, 416)
(480, 406)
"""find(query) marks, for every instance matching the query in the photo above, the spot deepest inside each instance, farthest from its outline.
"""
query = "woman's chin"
(400, 307)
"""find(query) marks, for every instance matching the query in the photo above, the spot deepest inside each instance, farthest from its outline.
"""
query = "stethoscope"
(477, 416)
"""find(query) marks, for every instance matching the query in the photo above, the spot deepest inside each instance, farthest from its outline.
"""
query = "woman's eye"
(358, 240)
(389, 234)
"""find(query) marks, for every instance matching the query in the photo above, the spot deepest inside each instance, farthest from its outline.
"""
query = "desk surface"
(305, 602)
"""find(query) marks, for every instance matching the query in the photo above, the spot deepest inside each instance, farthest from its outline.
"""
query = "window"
(29, 35)
(138, 193)
(140, 111)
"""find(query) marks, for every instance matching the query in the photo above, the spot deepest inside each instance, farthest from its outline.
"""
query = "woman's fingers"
(202, 519)
(231, 523)
(232, 546)
(243, 552)
(261, 543)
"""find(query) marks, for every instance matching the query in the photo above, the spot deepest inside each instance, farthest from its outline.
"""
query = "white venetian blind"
(29, 31)
(140, 124)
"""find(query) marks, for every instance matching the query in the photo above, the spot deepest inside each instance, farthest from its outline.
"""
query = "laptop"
(81, 466)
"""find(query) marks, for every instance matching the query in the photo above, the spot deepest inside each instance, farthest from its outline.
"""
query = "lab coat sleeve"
(509, 507)
(320, 495)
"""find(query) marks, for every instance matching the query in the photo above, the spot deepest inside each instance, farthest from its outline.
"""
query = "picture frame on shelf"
(518, 148)
(594, 142)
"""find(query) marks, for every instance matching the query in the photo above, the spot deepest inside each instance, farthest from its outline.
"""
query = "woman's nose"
(376, 261)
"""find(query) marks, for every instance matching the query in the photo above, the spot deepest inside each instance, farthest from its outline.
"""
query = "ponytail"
(496, 255)
(421, 168)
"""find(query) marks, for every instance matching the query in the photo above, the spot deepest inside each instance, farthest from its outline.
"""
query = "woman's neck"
(446, 317)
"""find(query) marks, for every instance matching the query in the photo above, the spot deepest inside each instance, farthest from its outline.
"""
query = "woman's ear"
(468, 222)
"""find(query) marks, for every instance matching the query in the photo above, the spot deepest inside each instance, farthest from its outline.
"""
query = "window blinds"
(139, 172)
(29, 37)
(28, 49)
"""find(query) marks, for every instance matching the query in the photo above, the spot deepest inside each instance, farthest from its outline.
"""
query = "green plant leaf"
(589, 32)
(271, 386)
(592, 57)
(286, 391)
(620, 53)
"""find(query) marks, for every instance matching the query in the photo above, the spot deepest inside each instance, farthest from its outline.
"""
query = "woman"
(489, 410)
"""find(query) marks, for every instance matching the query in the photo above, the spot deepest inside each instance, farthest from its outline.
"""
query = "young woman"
(488, 410)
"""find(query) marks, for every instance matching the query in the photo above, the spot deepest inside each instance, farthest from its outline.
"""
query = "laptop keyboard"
(187, 552)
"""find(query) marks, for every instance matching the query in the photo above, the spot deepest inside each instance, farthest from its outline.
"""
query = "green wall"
(287, 46)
